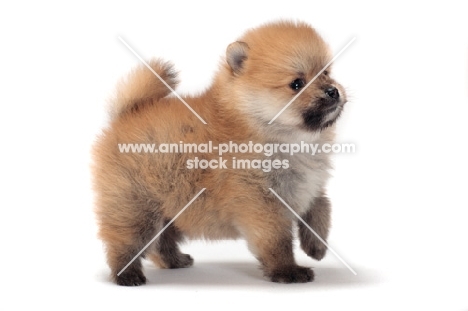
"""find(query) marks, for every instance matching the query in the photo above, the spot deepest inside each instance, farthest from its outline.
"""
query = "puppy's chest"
(303, 181)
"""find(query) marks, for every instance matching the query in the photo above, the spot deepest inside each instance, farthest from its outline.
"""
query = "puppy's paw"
(181, 261)
(131, 278)
(316, 250)
(291, 274)
(171, 261)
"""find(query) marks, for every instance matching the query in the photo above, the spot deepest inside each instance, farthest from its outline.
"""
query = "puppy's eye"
(297, 84)
(326, 72)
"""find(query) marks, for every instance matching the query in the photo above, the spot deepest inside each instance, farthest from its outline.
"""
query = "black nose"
(332, 92)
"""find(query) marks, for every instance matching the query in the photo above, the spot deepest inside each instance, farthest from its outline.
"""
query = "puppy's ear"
(236, 54)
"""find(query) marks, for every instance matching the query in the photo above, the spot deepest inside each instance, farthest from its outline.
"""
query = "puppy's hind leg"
(125, 236)
(318, 218)
(118, 256)
(166, 253)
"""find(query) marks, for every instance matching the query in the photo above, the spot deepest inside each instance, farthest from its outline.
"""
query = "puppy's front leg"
(270, 240)
(318, 218)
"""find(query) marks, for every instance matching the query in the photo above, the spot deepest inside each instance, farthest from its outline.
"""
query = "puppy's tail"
(142, 84)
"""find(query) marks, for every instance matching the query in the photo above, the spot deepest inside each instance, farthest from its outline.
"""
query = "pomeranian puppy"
(139, 193)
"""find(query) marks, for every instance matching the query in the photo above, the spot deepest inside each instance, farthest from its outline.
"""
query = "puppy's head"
(273, 65)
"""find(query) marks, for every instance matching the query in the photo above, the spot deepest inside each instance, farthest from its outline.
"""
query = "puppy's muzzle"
(333, 93)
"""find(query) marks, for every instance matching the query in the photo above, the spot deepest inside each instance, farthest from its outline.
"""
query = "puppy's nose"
(332, 92)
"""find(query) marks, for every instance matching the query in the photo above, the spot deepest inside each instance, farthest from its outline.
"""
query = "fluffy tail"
(143, 84)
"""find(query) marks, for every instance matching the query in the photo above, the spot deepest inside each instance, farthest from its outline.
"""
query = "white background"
(400, 205)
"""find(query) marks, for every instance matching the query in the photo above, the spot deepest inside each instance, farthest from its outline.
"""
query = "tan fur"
(138, 193)
(142, 84)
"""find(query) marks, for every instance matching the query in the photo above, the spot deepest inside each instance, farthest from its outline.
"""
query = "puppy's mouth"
(325, 110)
(323, 114)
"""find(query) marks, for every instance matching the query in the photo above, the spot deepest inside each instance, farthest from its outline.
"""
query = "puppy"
(139, 193)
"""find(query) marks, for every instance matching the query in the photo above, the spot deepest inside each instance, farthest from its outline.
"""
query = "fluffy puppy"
(137, 194)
